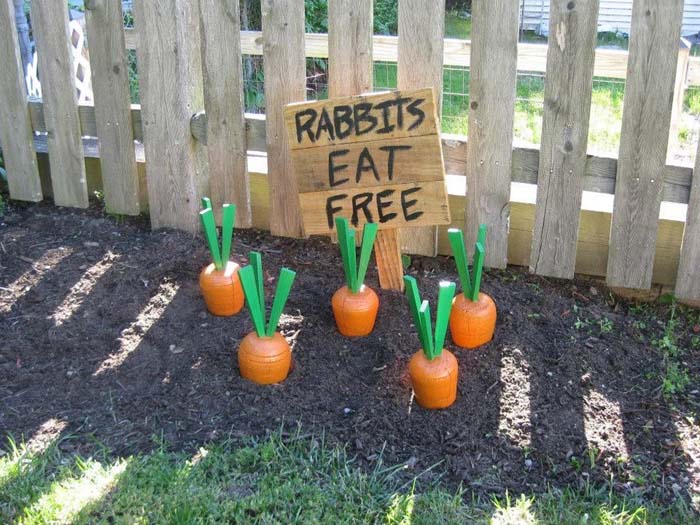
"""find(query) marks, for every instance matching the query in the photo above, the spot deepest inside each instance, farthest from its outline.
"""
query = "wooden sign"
(371, 158)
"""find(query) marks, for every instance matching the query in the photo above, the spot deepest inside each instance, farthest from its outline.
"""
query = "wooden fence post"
(421, 43)
(223, 99)
(646, 119)
(492, 107)
(285, 81)
(679, 94)
(50, 27)
(567, 103)
(16, 136)
(170, 79)
(110, 83)
(688, 278)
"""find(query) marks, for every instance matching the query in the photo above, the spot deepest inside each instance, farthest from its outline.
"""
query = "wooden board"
(15, 123)
(110, 83)
(350, 65)
(688, 280)
(646, 118)
(170, 79)
(491, 112)
(50, 28)
(223, 99)
(285, 82)
(348, 167)
(568, 88)
(420, 54)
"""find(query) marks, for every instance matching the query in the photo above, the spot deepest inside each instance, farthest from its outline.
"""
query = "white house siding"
(614, 16)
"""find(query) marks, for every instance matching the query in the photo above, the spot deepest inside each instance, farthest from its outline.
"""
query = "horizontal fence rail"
(159, 157)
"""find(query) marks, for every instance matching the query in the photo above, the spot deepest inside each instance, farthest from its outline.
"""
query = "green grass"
(295, 480)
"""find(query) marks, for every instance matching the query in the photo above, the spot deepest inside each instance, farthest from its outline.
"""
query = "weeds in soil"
(676, 377)
(298, 479)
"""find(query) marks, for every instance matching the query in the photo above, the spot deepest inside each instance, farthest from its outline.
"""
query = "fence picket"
(223, 100)
(110, 84)
(646, 118)
(16, 137)
(420, 54)
(568, 88)
(285, 81)
(688, 279)
(50, 28)
(170, 78)
(492, 106)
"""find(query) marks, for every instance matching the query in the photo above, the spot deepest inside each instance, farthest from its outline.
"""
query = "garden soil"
(106, 341)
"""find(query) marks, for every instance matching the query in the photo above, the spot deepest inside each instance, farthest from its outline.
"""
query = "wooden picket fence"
(554, 208)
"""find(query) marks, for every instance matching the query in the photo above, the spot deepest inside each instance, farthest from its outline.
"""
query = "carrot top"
(228, 218)
(355, 270)
(252, 280)
(470, 288)
(431, 341)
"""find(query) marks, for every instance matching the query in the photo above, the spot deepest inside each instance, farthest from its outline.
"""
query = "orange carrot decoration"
(355, 305)
(264, 356)
(473, 317)
(219, 281)
(433, 370)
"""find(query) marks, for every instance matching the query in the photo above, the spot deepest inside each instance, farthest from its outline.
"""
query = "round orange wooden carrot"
(264, 360)
(355, 305)
(222, 289)
(219, 281)
(433, 369)
(473, 316)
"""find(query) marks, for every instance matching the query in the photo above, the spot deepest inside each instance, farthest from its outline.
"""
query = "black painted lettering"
(342, 116)
(325, 124)
(406, 204)
(417, 112)
(332, 210)
(362, 114)
(361, 202)
(381, 204)
(305, 125)
(333, 168)
(365, 163)
(400, 101)
(386, 113)
(390, 160)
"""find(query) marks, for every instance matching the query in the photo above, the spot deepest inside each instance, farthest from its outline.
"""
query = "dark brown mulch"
(105, 333)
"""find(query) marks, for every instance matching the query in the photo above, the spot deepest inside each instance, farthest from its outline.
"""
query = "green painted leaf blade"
(284, 286)
(427, 329)
(228, 219)
(209, 226)
(478, 270)
(352, 259)
(341, 227)
(206, 203)
(250, 289)
(369, 234)
(481, 236)
(256, 263)
(456, 237)
(442, 317)
(413, 296)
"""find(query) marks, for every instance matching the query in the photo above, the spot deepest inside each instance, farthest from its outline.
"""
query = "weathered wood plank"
(15, 123)
(50, 25)
(170, 76)
(349, 47)
(491, 113)
(688, 280)
(285, 81)
(420, 55)
(646, 118)
(568, 88)
(223, 99)
(110, 83)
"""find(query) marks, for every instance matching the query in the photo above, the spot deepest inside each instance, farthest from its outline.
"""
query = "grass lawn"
(292, 480)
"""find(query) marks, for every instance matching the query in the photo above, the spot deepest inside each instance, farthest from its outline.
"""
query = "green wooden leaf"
(456, 238)
(427, 329)
(250, 289)
(369, 233)
(256, 263)
(442, 317)
(227, 222)
(206, 203)
(481, 237)
(207, 218)
(284, 285)
(341, 227)
(352, 258)
(413, 297)
(478, 269)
